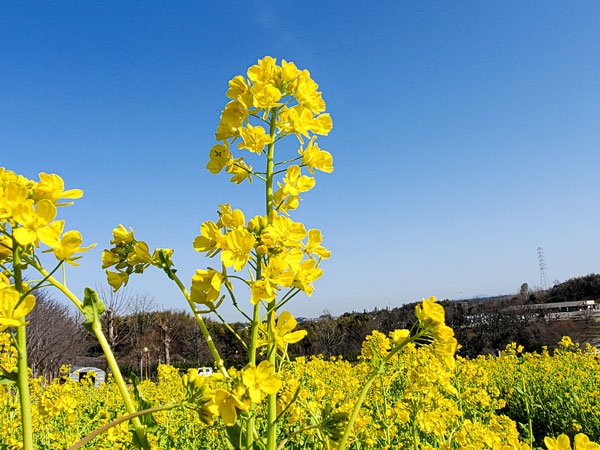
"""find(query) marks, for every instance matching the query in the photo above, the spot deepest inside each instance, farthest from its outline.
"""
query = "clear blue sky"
(466, 134)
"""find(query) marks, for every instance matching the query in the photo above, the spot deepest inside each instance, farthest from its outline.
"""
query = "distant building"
(580, 309)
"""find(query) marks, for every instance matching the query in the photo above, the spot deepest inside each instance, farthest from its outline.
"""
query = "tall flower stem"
(110, 357)
(252, 360)
(272, 399)
(114, 367)
(22, 375)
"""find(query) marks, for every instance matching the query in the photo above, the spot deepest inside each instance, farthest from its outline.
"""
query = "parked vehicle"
(205, 371)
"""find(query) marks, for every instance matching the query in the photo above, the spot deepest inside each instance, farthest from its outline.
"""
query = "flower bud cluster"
(130, 256)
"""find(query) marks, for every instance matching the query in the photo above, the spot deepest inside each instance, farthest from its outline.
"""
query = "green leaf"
(376, 359)
(234, 433)
(142, 404)
(93, 308)
(8, 377)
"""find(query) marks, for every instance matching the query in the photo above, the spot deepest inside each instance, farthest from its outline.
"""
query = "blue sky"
(466, 134)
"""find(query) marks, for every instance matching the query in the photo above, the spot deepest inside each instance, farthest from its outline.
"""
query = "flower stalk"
(23, 373)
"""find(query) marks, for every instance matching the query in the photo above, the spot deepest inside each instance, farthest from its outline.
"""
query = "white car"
(205, 371)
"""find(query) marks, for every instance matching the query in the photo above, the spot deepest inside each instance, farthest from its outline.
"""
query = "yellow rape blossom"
(232, 118)
(399, 336)
(117, 279)
(260, 380)
(237, 87)
(240, 171)
(210, 238)
(231, 219)
(296, 183)
(264, 72)
(430, 313)
(315, 158)
(306, 93)
(262, 290)
(140, 254)
(297, 120)
(283, 330)
(109, 259)
(228, 403)
(265, 96)
(33, 220)
(122, 236)
(69, 244)
(582, 442)
(206, 287)
(11, 197)
(220, 157)
(255, 138)
(238, 245)
(51, 187)
(289, 71)
(562, 442)
(286, 232)
(313, 247)
(6, 250)
(10, 313)
(306, 275)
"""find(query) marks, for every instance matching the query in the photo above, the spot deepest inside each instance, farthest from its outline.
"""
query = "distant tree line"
(143, 337)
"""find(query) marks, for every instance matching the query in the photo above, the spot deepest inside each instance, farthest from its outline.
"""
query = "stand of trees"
(143, 337)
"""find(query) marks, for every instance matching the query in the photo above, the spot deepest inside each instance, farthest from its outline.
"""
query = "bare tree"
(328, 334)
(54, 337)
(141, 320)
(113, 320)
(170, 324)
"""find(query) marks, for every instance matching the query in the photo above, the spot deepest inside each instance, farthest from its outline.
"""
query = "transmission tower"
(542, 263)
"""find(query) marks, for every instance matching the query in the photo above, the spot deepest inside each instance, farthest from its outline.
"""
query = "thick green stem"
(270, 153)
(23, 384)
(23, 375)
(271, 350)
(252, 360)
(114, 367)
(110, 358)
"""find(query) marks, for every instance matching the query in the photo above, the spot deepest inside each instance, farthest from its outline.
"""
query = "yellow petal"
(25, 236)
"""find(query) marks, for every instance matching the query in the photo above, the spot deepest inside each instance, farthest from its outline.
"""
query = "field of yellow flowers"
(408, 391)
(516, 401)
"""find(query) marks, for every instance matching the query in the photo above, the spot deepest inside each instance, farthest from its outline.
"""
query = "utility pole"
(542, 264)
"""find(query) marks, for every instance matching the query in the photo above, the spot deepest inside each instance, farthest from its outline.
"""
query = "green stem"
(114, 367)
(40, 283)
(272, 399)
(23, 375)
(252, 356)
(415, 436)
(234, 302)
(209, 341)
(23, 385)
